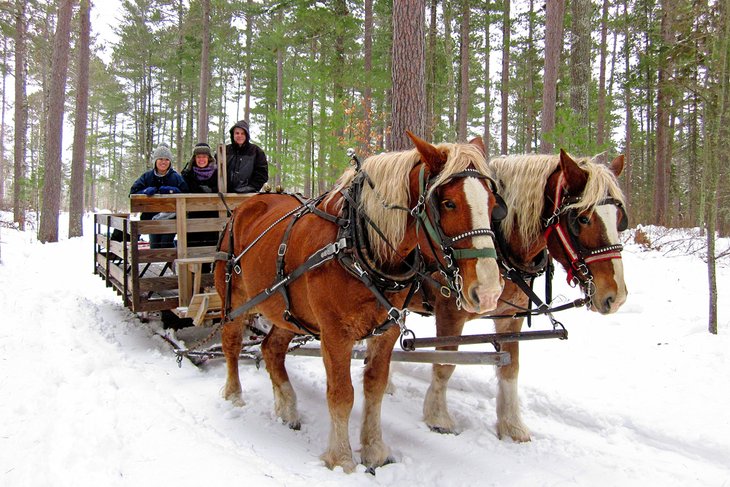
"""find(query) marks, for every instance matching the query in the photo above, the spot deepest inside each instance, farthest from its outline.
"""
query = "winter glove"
(150, 190)
(245, 189)
(169, 189)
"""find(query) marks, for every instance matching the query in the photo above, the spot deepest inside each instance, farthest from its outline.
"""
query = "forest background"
(643, 78)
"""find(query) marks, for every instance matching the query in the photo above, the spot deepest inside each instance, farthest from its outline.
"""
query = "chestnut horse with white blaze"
(574, 208)
(340, 300)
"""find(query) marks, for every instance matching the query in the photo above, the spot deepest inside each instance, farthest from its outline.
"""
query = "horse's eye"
(449, 205)
(583, 220)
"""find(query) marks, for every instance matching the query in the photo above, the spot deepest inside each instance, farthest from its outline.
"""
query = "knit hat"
(202, 148)
(161, 152)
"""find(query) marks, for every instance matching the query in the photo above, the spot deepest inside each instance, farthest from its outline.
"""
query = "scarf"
(203, 173)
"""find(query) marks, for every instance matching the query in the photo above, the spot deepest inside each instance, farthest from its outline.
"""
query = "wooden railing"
(148, 279)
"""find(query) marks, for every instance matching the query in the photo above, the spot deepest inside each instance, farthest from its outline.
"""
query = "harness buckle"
(237, 269)
(419, 204)
(398, 315)
(360, 271)
(282, 250)
(445, 291)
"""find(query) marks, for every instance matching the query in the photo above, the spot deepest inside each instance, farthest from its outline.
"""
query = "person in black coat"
(246, 166)
(162, 179)
(201, 176)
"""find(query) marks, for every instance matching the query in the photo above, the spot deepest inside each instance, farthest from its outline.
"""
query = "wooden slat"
(116, 248)
(166, 283)
(156, 304)
(117, 221)
(195, 202)
(213, 302)
(206, 224)
(157, 226)
(156, 255)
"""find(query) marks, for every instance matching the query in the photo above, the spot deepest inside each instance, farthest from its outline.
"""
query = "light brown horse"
(575, 209)
(445, 185)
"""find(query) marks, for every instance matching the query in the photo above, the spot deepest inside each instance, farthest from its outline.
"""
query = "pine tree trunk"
(464, 52)
(249, 54)
(431, 74)
(279, 113)
(663, 130)
(78, 161)
(368, 65)
(178, 87)
(506, 26)
(553, 46)
(720, 158)
(450, 82)
(53, 177)
(529, 98)
(204, 75)
(628, 158)
(2, 123)
(21, 116)
(487, 83)
(600, 123)
(580, 60)
(409, 59)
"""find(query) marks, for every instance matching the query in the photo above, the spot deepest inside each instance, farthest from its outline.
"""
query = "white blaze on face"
(490, 283)
(609, 216)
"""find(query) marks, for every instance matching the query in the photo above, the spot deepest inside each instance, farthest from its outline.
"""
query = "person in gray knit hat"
(246, 165)
(163, 179)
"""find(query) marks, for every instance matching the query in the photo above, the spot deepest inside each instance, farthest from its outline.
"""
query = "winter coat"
(246, 166)
(151, 179)
(205, 186)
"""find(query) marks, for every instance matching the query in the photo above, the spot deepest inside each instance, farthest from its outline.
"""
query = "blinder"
(499, 212)
(621, 225)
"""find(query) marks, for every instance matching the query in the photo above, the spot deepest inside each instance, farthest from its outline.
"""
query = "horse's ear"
(617, 165)
(575, 177)
(430, 155)
(477, 141)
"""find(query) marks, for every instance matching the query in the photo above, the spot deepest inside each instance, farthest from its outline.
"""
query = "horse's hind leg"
(509, 418)
(435, 409)
(274, 350)
(232, 338)
(375, 381)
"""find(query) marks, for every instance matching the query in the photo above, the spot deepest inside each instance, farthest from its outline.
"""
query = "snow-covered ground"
(90, 397)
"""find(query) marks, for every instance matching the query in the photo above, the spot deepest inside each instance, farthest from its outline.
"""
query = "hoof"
(443, 430)
(518, 433)
(296, 426)
(235, 398)
(331, 461)
(388, 461)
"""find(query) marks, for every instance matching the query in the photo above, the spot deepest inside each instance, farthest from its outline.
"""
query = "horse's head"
(451, 198)
(584, 213)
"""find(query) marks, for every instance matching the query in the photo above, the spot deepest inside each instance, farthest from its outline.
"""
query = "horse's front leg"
(435, 409)
(274, 350)
(509, 418)
(231, 341)
(375, 452)
(336, 354)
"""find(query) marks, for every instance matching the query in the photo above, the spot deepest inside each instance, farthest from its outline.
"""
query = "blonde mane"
(522, 180)
(389, 173)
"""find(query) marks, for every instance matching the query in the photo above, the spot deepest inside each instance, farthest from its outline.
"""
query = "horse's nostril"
(608, 302)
